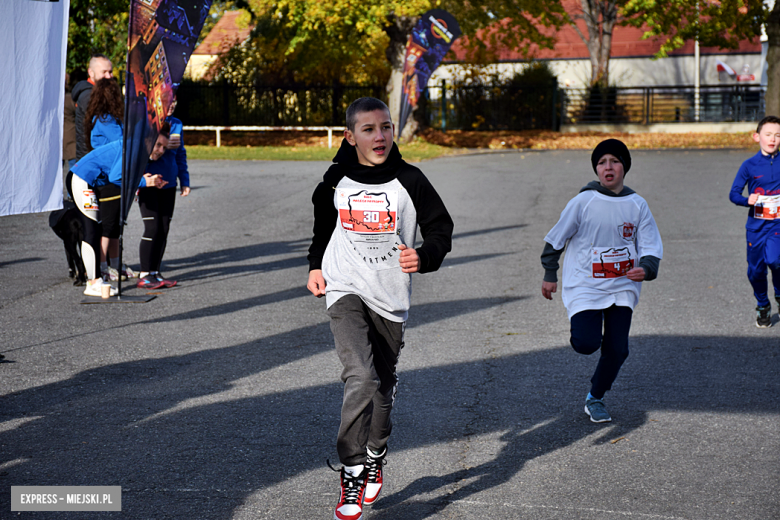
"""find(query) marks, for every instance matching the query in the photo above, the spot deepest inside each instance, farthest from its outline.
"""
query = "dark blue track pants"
(763, 251)
(606, 329)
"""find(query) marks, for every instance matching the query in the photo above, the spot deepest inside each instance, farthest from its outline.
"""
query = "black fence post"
(443, 106)
(335, 102)
(225, 104)
(555, 106)
(564, 108)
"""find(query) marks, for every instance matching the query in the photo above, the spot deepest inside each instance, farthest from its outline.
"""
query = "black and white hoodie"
(361, 215)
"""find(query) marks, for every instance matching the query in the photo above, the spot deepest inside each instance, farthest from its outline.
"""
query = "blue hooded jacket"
(102, 165)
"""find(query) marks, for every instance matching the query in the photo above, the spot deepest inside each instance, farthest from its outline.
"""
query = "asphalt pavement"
(219, 399)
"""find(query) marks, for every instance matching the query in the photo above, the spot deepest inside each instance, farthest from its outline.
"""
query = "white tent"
(34, 37)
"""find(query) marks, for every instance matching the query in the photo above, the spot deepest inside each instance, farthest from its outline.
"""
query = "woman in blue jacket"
(103, 119)
(103, 125)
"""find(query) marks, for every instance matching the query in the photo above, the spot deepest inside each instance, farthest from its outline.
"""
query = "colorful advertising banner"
(161, 38)
(430, 40)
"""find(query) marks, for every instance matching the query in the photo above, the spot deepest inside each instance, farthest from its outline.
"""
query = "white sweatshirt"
(606, 237)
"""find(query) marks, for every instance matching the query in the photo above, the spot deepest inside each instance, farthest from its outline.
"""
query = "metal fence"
(647, 105)
(497, 107)
(490, 107)
(442, 106)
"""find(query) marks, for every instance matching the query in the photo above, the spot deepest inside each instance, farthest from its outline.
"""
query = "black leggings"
(606, 329)
(109, 201)
(157, 212)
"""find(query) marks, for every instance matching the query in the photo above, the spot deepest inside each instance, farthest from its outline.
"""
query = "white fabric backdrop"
(34, 37)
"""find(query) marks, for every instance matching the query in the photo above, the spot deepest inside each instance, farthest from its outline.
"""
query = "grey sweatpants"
(368, 346)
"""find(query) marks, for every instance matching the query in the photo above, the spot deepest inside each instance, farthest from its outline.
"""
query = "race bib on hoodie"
(370, 221)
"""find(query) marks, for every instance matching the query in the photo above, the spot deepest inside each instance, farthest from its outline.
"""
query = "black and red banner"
(161, 38)
(429, 42)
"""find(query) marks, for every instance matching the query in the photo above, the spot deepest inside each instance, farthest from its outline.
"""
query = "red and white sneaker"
(353, 490)
(165, 281)
(149, 282)
(374, 465)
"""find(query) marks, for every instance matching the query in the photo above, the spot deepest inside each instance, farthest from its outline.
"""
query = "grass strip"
(413, 152)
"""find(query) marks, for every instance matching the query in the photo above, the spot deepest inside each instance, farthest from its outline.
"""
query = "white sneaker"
(95, 289)
(374, 478)
(128, 273)
(112, 275)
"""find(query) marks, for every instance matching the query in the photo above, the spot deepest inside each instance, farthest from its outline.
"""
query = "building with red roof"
(631, 63)
(226, 34)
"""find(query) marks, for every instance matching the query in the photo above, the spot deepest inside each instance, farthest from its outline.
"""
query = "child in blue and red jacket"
(762, 177)
(157, 205)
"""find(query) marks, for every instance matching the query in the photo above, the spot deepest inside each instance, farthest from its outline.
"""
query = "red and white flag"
(722, 67)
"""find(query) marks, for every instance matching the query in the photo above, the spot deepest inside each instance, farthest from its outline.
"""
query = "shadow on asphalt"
(29, 260)
(213, 263)
(188, 426)
(222, 262)
(487, 230)
(458, 260)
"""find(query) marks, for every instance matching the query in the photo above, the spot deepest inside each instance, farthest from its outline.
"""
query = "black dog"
(66, 223)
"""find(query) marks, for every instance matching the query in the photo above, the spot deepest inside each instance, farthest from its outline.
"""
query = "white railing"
(220, 129)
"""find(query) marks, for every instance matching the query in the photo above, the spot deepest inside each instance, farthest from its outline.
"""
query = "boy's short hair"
(767, 119)
(364, 104)
(165, 130)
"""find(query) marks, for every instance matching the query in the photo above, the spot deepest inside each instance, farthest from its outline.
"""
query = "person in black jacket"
(99, 67)
(366, 213)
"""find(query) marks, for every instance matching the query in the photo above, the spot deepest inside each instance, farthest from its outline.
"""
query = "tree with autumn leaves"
(714, 23)
(348, 41)
(97, 27)
(363, 42)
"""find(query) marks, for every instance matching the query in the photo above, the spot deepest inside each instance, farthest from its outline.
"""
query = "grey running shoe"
(764, 317)
(595, 409)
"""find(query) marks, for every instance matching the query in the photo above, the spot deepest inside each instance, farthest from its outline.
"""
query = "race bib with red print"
(369, 220)
(90, 200)
(612, 262)
(368, 212)
(766, 207)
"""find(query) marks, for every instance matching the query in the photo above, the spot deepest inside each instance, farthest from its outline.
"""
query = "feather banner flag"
(161, 38)
(34, 39)
(430, 40)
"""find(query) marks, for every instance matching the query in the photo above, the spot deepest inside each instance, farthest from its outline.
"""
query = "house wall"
(198, 65)
(628, 71)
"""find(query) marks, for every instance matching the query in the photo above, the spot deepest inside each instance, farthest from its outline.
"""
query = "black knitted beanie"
(613, 147)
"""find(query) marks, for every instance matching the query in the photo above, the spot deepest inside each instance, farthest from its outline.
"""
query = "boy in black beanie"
(614, 245)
